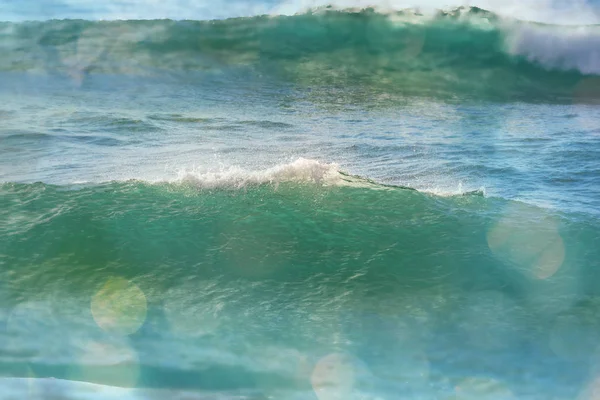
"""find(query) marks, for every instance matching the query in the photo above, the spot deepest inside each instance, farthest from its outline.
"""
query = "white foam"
(572, 48)
(448, 192)
(575, 47)
(561, 12)
(300, 171)
(573, 12)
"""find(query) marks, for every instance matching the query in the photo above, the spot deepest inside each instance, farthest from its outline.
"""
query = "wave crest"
(467, 52)
(573, 48)
(300, 171)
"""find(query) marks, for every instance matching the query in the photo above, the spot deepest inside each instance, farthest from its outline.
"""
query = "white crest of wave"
(571, 12)
(572, 48)
(301, 171)
(561, 12)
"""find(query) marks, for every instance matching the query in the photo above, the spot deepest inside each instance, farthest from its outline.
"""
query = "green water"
(335, 205)
(468, 54)
(248, 289)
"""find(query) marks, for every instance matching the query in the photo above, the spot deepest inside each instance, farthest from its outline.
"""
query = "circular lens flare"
(119, 307)
(529, 239)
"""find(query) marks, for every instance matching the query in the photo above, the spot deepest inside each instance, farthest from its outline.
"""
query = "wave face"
(225, 270)
(166, 285)
(466, 52)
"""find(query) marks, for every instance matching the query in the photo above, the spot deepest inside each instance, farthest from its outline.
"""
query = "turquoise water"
(333, 205)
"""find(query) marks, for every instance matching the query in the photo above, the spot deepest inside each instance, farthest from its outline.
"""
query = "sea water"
(335, 204)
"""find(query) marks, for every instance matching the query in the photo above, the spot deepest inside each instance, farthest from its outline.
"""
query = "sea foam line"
(300, 171)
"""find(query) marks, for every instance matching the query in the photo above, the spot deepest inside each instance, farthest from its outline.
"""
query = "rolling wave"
(227, 272)
(468, 51)
(301, 172)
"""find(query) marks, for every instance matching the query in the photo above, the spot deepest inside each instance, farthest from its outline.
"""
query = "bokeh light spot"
(529, 239)
(119, 307)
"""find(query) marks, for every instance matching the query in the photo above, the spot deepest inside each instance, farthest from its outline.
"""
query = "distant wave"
(466, 52)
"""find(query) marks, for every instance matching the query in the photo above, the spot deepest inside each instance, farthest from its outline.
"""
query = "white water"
(576, 48)
(301, 170)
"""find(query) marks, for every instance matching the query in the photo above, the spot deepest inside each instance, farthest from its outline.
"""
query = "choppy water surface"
(332, 205)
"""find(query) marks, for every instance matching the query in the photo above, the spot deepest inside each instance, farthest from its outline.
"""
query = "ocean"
(332, 204)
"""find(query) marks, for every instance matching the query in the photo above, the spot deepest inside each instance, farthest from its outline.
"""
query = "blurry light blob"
(490, 319)
(528, 239)
(111, 363)
(336, 376)
(119, 307)
(482, 388)
(192, 310)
